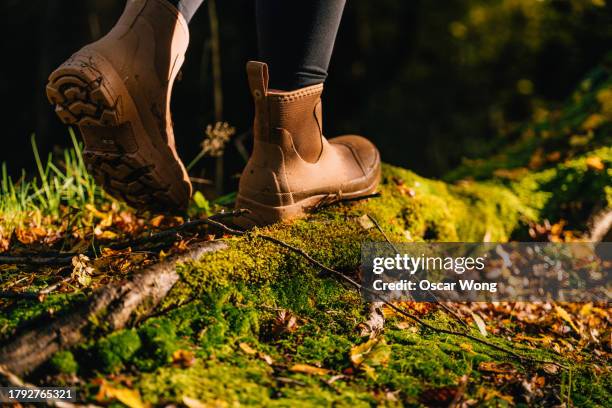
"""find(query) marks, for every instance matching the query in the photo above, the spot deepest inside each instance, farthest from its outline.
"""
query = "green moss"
(63, 362)
(159, 341)
(117, 349)
(28, 312)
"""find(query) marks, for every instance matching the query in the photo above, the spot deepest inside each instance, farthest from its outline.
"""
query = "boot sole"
(122, 157)
(262, 214)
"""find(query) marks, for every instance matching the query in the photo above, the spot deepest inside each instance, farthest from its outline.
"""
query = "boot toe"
(365, 152)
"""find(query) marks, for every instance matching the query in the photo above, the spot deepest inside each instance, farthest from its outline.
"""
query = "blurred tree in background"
(429, 82)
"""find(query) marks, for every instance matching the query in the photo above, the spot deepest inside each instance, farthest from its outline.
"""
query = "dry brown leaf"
(494, 367)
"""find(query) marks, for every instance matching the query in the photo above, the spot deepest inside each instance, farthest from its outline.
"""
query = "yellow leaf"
(184, 358)
(359, 352)
(247, 349)
(308, 369)
(595, 163)
(156, 222)
(586, 309)
(467, 347)
(373, 353)
(108, 235)
(131, 398)
(96, 213)
(562, 313)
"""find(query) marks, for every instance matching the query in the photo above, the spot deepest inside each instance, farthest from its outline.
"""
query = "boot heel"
(81, 95)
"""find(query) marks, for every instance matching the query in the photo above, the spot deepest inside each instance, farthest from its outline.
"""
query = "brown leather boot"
(293, 168)
(117, 91)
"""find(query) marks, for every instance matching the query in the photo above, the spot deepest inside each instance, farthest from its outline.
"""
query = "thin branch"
(440, 304)
(330, 200)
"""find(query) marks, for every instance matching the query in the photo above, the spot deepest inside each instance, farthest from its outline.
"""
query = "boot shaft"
(297, 114)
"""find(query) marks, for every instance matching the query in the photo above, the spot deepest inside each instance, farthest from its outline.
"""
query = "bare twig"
(330, 200)
(440, 304)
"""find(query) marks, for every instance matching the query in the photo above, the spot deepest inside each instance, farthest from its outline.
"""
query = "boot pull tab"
(257, 73)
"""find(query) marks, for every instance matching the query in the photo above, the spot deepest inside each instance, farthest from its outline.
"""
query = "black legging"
(296, 41)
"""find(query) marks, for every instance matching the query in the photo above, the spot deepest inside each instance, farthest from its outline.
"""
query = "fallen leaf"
(156, 221)
(284, 322)
(551, 368)
(184, 358)
(365, 222)
(562, 313)
(81, 271)
(247, 349)
(494, 367)
(369, 355)
(482, 327)
(308, 369)
(595, 163)
(131, 398)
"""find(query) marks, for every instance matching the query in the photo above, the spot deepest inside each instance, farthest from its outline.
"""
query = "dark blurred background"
(429, 81)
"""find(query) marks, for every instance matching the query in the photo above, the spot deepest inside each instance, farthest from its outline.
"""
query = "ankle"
(187, 8)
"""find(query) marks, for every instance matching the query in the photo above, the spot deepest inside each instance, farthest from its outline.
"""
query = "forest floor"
(258, 320)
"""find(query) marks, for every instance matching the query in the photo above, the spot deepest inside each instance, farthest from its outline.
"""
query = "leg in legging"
(296, 39)
(187, 7)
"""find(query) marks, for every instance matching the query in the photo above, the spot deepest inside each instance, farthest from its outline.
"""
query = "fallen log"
(112, 306)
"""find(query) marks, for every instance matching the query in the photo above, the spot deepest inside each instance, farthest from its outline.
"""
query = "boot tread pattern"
(83, 98)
